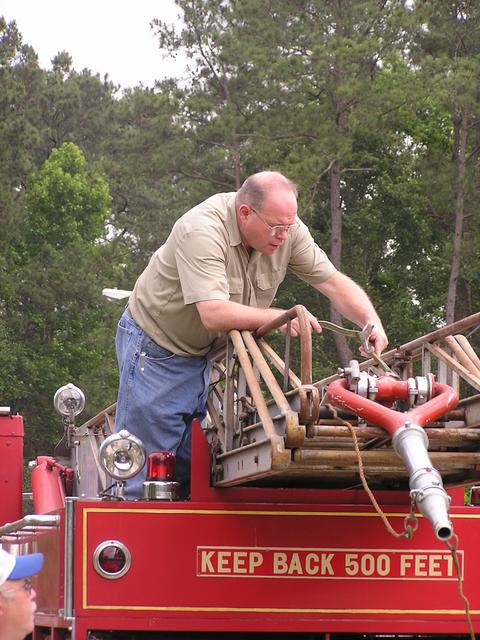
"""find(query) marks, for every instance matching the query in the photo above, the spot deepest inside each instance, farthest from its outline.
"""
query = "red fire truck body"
(252, 558)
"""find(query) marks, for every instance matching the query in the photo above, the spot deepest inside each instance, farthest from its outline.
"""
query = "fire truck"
(342, 508)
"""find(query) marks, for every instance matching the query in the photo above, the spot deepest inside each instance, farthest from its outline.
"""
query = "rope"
(410, 522)
(411, 518)
(453, 546)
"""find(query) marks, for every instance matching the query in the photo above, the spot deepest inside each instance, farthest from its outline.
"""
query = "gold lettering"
(280, 562)
(223, 558)
(326, 564)
(305, 562)
(239, 562)
(295, 565)
(449, 559)
(255, 560)
(207, 566)
(311, 564)
(433, 565)
(420, 565)
(405, 563)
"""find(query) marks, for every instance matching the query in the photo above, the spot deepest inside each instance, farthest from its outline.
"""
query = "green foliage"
(55, 307)
(92, 181)
(66, 204)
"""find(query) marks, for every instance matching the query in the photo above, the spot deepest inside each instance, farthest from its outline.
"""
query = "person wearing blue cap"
(17, 596)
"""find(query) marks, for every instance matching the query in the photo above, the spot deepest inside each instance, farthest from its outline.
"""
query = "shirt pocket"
(267, 285)
(235, 289)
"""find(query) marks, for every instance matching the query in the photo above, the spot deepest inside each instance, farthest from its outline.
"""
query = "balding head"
(258, 186)
(265, 202)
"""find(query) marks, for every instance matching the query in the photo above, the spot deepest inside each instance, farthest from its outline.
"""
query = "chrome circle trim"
(96, 555)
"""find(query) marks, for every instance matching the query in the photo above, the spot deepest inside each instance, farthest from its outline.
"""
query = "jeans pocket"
(123, 339)
(154, 352)
(126, 324)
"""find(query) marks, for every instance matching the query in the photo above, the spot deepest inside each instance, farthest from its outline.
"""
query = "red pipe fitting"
(444, 399)
(408, 439)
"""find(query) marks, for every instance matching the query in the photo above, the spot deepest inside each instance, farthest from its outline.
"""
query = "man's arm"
(224, 315)
(351, 301)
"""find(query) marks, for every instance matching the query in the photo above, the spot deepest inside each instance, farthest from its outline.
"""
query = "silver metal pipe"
(426, 487)
(30, 521)
(68, 557)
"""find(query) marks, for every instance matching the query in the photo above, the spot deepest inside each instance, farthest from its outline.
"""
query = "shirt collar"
(231, 221)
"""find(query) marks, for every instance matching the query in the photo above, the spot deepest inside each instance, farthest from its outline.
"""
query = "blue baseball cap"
(18, 567)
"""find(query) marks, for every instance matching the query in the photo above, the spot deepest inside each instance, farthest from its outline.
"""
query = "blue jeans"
(159, 395)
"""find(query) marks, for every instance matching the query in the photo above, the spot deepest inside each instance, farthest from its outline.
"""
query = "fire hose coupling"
(426, 487)
(359, 382)
(412, 392)
(420, 389)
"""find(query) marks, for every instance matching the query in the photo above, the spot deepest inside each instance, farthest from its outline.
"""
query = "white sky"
(106, 36)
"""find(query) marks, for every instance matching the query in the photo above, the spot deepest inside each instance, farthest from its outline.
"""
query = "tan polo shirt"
(204, 259)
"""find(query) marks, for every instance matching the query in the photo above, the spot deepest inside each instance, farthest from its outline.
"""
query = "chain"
(410, 522)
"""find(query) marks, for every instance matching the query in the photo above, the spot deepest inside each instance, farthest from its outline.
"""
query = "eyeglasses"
(275, 229)
(25, 586)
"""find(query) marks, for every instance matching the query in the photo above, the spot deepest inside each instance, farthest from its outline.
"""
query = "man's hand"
(376, 341)
(295, 326)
